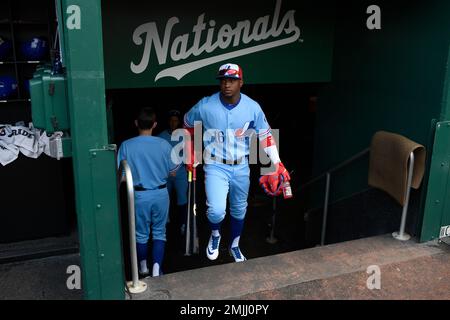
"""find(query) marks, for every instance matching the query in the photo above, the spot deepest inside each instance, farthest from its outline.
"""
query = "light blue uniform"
(179, 182)
(227, 131)
(150, 163)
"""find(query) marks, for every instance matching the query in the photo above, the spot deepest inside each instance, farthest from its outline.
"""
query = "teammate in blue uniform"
(151, 164)
(179, 182)
(229, 119)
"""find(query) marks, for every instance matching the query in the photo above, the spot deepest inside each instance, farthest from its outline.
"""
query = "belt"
(234, 162)
(141, 188)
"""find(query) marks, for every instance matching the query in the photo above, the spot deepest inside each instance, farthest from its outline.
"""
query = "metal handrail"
(400, 235)
(135, 286)
(339, 166)
(327, 175)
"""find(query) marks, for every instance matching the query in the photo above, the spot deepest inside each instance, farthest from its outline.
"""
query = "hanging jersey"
(29, 141)
(8, 153)
(22, 137)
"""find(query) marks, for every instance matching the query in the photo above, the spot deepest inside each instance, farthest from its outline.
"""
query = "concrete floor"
(38, 279)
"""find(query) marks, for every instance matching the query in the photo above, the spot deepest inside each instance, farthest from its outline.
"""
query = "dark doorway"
(289, 108)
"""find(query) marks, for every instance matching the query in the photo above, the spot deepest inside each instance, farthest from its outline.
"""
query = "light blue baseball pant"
(152, 209)
(221, 179)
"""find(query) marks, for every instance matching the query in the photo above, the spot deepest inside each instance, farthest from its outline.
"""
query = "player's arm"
(271, 182)
(172, 161)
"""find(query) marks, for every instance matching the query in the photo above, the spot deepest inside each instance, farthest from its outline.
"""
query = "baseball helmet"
(8, 86)
(35, 48)
(229, 70)
(5, 48)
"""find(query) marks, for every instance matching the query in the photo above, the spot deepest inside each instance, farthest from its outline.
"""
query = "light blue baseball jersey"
(149, 159)
(168, 137)
(227, 130)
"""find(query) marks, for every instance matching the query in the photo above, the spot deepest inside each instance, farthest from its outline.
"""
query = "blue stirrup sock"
(158, 256)
(215, 228)
(236, 230)
(141, 249)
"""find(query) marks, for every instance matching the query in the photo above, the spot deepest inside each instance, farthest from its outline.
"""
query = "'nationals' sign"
(170, 44)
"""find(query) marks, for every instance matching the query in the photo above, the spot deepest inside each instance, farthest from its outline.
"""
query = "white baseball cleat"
(156, 272)
(212, 250)
(144, 275)
(236, 253)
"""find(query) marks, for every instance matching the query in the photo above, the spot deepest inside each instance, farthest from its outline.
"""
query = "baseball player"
(179, 182)
(229, 118)
(150, 163)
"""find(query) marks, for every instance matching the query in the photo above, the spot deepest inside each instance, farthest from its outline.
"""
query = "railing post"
(401, 235)
(325, 209)
(271, 239)
(135, 286)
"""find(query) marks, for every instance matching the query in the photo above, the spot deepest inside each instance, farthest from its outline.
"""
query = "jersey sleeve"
(192, 115)
(262, 127)
(172, 165)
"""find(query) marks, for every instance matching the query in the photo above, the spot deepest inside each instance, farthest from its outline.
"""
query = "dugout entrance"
(365, 80)
(296, 147)
(344, 75)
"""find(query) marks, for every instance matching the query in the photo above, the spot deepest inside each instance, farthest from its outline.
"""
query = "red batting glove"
(272, 183)
(282, 172)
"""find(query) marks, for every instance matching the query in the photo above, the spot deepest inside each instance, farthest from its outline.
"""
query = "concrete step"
(39, 248)
(273, 273)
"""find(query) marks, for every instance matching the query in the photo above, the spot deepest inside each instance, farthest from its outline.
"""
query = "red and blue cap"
(229, 70)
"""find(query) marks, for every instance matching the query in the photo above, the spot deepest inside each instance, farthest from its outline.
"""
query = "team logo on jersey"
(246, 130)
(263, 34)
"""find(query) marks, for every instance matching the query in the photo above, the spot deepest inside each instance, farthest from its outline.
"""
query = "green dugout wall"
(392, 79)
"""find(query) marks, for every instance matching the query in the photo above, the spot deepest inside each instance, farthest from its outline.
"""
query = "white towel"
(29, 141)
(8, 153)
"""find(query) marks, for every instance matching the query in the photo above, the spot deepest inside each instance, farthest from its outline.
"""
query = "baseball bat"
(188, 218)
(195, 246)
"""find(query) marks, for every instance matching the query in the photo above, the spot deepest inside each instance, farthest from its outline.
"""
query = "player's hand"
(191, 166)
(191, 159)
(282, 172)
(272, 182)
